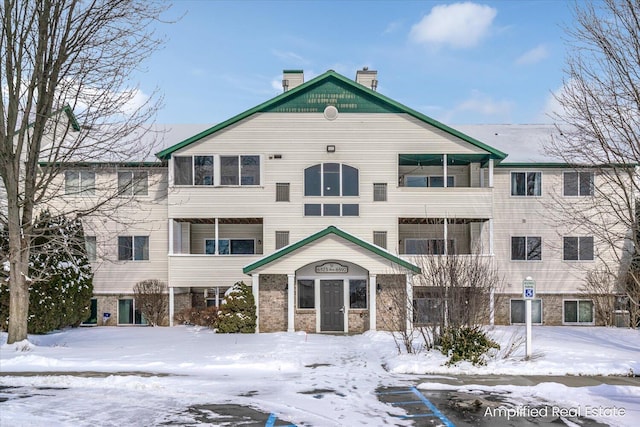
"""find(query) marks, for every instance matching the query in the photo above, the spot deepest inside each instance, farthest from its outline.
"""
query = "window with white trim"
(331, 179)
(526, 248)
(133, 183)
(79, 183)
(357, 293)
(240, 170)
(306, 294)
(528, 184)
(128, 313)
(577, 183)
(133, 248)
(331, 209)
(91, 247)
(518, 311)
(578, 311)
(577, 248)
(230, 246)
(199, 170)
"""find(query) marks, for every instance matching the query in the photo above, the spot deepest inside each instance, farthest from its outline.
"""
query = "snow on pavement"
(315, 379)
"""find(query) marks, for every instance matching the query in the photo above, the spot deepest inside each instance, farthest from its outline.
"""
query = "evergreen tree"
(60, 276)
(238, 310)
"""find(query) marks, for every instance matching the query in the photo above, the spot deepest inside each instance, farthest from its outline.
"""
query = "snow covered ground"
(304, 379)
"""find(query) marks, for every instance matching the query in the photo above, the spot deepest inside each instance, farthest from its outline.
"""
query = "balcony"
(427, 236)
(206, 252)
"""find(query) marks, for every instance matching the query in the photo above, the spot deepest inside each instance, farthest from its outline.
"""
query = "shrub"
(207, 316)
(238, 310)
(152, 300)
(466, 343)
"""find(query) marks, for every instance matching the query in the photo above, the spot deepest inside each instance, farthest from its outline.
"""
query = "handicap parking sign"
(528, 288)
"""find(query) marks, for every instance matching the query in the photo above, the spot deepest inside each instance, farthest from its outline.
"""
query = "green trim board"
(105, 164)
(340, 233)
(551, 165)
(331, 88)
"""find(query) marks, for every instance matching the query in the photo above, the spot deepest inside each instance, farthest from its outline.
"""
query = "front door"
(331, 306)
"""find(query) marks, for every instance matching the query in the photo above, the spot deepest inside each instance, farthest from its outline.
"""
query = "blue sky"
(458, 62)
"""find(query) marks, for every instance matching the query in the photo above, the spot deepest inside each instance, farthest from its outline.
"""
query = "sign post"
(528, 293)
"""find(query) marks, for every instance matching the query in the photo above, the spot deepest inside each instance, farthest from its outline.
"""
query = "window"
(380, 192)
(230, 246)
(282, 239)
(133, 248)
(578, 248)
(312, 209)
(239, 170)
(578, 311)
(331, 209)
(428, 247)
(428, 305)
(203, 169)
(357, 293)
(428, 181)
(578, 183)
(526, 184)
(90, 247)
(134, 183)
(331, 179)
(518, 311)
(380, 239)
(183, 170)
(83, 182)
(306, 294)
(128, 314)
(350, 209)
(282, 192)
(526, 248)
(199, 170)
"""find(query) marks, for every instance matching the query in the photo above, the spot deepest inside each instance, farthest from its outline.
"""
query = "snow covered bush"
(152, 300)
(469, 343)
(238, 310)
(60, 276)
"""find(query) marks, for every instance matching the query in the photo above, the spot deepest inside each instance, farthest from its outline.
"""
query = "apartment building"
(322, 198)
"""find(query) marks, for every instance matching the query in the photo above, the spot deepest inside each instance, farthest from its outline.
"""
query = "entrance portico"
(300, 288)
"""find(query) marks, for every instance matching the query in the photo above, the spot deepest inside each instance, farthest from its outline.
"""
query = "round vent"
(331, 112)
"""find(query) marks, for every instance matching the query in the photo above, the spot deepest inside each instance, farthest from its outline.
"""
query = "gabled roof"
(335, 85)
(320, 234)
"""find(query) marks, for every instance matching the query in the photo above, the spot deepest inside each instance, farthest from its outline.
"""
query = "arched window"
(331, 179)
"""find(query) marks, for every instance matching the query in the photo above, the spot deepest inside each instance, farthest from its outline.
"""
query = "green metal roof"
(338, 232)
(336, 89)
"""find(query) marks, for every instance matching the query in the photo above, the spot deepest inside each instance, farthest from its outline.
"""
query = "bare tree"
(453, 291)
(600, 129)
(152, 299)
(600, 287)
(67, 97)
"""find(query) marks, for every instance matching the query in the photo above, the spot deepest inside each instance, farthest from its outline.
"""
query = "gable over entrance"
(319, 245)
